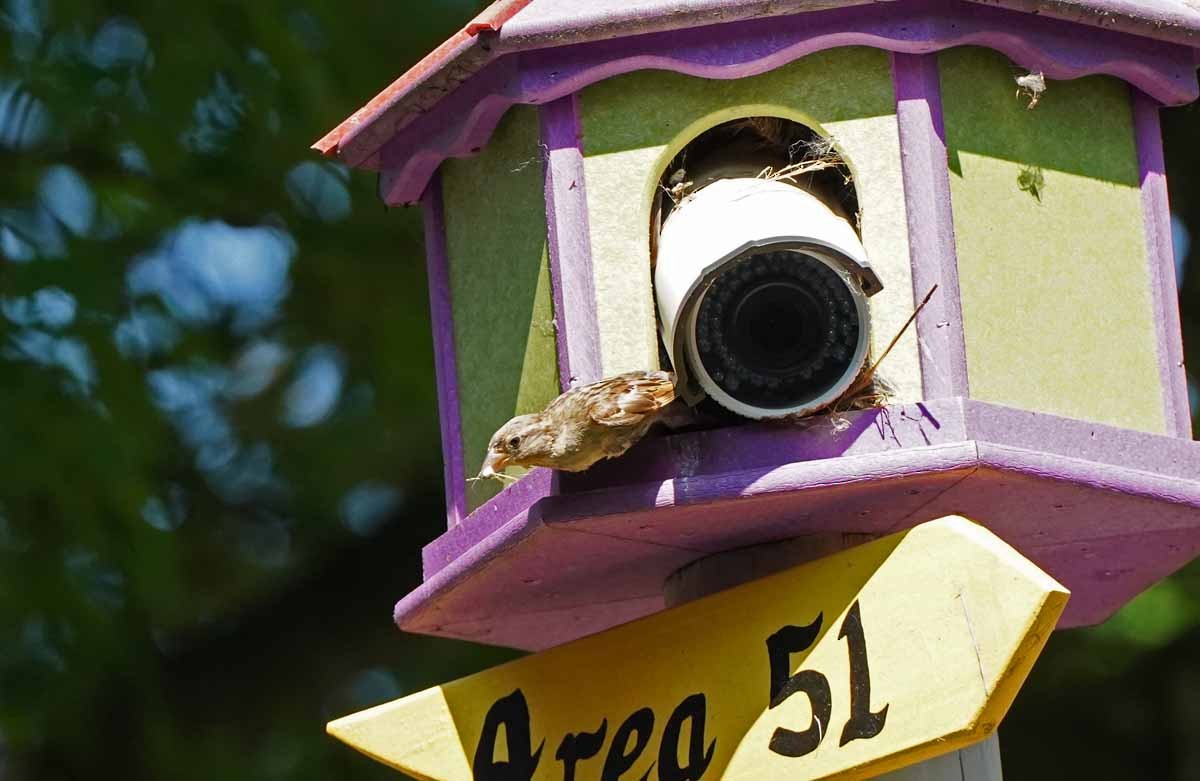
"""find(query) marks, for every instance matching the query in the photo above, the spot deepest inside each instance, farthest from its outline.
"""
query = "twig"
(790, 172)
(865, 378)
(494, 476)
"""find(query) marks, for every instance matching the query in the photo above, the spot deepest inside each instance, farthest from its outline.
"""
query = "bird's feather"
(625, 400)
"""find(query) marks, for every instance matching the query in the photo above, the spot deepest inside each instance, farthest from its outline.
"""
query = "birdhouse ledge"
(541, 567)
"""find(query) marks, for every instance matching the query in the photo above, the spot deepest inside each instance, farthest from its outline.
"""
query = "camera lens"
(777, 329)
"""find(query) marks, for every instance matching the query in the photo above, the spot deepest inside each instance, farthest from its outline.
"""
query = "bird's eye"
(514, 443)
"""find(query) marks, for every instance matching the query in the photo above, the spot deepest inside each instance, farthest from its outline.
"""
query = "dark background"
(219, 451)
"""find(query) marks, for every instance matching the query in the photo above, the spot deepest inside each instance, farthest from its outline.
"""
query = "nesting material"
(1032, 85)
(876, 392)
(790, 173)
(870, 389)
(678, 187)
(806, 156)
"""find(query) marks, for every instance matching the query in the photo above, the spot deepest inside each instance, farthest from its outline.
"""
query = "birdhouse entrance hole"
(763, 146)
(761, 277)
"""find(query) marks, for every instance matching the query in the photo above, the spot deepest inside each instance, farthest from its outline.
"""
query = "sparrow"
(583, 425)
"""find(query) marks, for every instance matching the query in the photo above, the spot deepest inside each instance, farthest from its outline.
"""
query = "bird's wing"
(626, 399)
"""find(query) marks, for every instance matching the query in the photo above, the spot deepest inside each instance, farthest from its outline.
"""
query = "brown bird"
(583, 425)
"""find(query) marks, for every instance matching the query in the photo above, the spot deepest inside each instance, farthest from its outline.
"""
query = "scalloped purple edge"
(463, 121)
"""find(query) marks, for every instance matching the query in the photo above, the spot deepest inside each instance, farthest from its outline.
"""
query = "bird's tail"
(644, 392)
(661, 388)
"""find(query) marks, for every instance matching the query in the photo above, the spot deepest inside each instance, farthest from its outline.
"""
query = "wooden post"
(980, 762)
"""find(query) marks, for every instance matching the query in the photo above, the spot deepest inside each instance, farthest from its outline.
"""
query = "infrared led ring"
(776, 325)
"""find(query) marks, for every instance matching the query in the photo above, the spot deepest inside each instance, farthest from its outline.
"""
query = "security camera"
(762, 298)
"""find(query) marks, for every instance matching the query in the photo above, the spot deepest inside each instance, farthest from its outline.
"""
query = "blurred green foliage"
(218, 422)
(217, 412)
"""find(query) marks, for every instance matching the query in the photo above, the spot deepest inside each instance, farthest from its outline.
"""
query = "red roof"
(427, 71)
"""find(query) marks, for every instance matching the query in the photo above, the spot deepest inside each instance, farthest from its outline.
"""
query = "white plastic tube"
(720, 224)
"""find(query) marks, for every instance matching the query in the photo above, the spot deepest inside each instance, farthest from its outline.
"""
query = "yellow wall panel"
(1051, 246)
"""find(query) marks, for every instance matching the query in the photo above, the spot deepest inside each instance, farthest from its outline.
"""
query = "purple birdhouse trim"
(445, 363)
(569, 242)
(930, 224)
(1160, 252)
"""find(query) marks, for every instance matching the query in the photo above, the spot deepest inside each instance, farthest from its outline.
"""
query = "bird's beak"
(493, 464)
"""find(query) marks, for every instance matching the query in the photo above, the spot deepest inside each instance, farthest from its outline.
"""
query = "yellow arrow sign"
(854, 665)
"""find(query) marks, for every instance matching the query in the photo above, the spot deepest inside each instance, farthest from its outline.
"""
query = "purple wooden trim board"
(463, 121)
(1072, 495)
(570, 245)
(1157, 211)
(437, 264)
(770, 502)
(930, 224)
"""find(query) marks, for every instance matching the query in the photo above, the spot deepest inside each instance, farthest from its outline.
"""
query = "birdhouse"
(757, 196)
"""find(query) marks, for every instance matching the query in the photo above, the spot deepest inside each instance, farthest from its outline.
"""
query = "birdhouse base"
(1106, 511)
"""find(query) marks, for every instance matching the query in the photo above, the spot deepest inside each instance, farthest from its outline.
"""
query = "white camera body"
(797, 255)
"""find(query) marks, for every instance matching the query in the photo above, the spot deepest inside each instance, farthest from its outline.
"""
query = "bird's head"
(523, 441)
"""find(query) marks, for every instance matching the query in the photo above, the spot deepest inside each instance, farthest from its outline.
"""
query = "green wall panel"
(504, 332)
(1051, 246)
